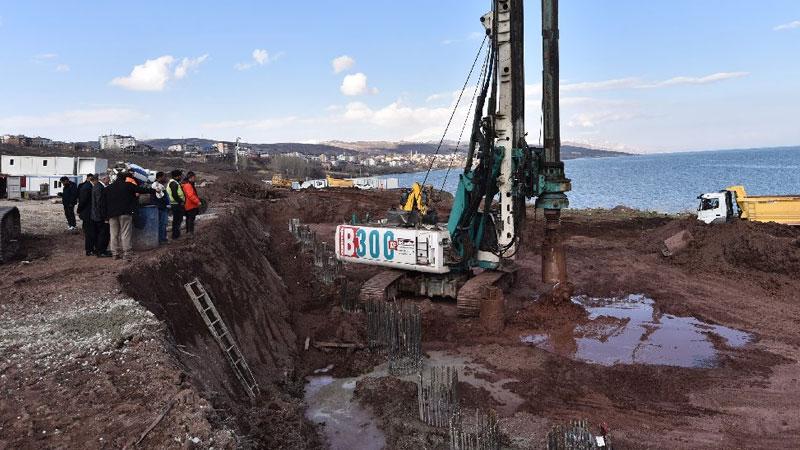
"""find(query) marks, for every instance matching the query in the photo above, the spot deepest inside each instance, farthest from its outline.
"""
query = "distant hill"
(568, 151)
(372, 147)
(306, 149)
(575, 152)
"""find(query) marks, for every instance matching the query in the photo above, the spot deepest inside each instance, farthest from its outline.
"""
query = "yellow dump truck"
(732, 202)
(339, 182)
(279, 181)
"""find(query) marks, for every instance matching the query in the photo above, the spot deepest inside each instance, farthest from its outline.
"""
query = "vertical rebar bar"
(575, 436)
(397, 328)
(480, 433)
(437, 396)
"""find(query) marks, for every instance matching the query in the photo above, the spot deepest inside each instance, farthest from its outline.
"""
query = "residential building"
(18, 140)
(40, 142)
(116, 142)
(223, 147)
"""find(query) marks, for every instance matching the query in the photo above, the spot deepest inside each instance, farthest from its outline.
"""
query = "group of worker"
(109, 211)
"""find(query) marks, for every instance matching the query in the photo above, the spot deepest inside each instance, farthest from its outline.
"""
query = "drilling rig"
(478, 244)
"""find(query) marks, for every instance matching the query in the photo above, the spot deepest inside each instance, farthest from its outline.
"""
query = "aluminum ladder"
(207, 310)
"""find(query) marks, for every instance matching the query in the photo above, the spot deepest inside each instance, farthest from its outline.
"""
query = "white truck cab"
(716, 207)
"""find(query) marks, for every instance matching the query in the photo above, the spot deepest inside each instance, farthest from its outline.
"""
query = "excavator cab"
(414, 207)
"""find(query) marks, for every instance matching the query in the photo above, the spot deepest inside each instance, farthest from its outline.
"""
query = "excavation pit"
(345, 423)
(631, 330)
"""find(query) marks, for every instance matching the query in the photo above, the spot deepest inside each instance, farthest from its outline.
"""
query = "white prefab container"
(17, 165)
(389, 183)
(36, 183)
(376, 183)
(400, 248)
(43, 165)
(13, 187)
(64, 166)
(91, 165)
(54, 185)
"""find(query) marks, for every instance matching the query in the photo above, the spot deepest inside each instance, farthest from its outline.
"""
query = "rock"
(676, 243)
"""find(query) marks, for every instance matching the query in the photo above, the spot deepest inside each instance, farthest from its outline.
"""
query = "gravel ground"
(40, 217)
(81, 364)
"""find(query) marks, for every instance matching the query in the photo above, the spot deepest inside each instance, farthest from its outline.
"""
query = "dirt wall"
(231, 257)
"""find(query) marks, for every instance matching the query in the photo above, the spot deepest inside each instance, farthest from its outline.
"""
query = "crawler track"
(381, 287)
(471, 294)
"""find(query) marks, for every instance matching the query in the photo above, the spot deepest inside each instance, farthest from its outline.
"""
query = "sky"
(642, 76)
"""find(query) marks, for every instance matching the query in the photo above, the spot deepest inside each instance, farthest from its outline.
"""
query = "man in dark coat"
(121, 204)
(69, 197)
(102, 237)
(85, 213)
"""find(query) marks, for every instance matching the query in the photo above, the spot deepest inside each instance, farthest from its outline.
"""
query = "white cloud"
(342, 63)
(788, 26)
(619, 83)
(45, 56)
(154, 74)
(595, 118)
(50, 60)
(257, 124)
(713, 78)
(452, 95)
(397, 121)
(72, 118)
(635, 83)
(260, 57)
(356, 84)
(150, 76)
(188, 64)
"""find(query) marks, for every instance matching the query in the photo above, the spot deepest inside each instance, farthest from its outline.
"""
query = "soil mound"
(241, 185)
(765, 247)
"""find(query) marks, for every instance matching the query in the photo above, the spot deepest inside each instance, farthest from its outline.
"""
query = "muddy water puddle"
(632, 330)
(346, 424)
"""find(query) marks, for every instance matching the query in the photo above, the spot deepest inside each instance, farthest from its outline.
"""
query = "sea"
(662, 182)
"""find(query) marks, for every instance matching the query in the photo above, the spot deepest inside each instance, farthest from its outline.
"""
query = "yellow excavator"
(416, 199)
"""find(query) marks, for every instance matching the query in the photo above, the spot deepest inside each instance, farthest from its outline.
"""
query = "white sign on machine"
(403, 248)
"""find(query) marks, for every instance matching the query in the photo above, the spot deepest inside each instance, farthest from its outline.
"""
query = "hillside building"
(222, 147)
(116, 142)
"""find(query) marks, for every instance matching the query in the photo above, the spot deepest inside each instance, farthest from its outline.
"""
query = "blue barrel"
(145, 229)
